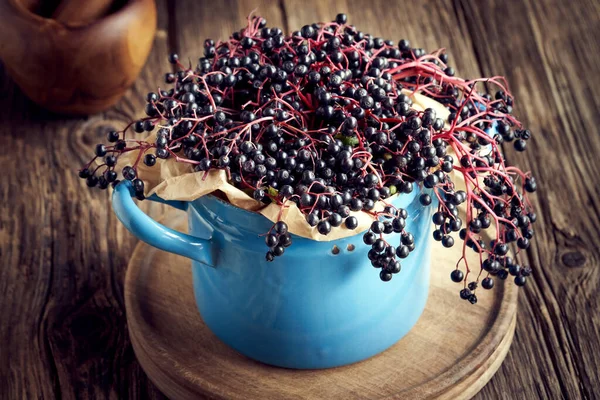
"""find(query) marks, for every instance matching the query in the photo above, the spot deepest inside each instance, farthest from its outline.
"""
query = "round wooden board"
(453, 350)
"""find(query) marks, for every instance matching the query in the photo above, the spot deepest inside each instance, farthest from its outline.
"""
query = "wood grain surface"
(63, 331)
(450, 354)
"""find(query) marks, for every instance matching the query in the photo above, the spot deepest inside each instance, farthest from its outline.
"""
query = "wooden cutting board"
(451, 353)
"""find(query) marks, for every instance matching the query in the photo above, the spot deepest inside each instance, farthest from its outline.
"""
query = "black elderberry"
(285, 240)
(100, 150)
(475, 226)
(129, 173)
(92, 181)
(164, 154)
(520, 145)
(408, 239)
(84, 173)
(407, 187)
(335, 219)
(402, 251)
(398, 224)
(111, 176)
(258, 194)
(514, 269)
(110, 160)
(455, 225)
(278, 250)
(149, 160)
(351, 223)
(502, 274)
(457, 276)
(520, 280)
(438, 218)
(138, 185)
(170, 77)
(379, 245)
(271, 240)
(324, 227)
(312, 219)
(530, 185)
(102, 183)
(501, 249)
(343, 211)
(394, 267)
(112, 136)
(487, 283)
(377, 227)
(448, 241)
(385, 276)
(390, 251)
(465, 294)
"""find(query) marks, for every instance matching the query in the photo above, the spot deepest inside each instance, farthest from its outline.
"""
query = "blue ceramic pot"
(310, 308)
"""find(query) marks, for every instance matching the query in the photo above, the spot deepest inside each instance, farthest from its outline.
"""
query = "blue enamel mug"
(313, 307)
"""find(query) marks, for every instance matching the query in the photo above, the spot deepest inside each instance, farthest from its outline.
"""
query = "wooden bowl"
(76, 69)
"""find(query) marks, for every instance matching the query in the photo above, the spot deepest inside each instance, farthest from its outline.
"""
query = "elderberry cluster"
(277, 240)
(323, 118)
(382, 254)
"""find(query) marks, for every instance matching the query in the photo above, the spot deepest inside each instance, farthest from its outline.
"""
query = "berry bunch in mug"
(326, 118)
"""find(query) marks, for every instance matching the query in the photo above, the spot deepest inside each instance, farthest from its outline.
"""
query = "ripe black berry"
(335, 219)
(377, 227)
(487, 283)
(520, 280)
(351, 223)
(402, 251)
(150, 159)
(111, 176)
(129, 173)
(465, 294)
(425, 199)
(112, 136)
(312, 219)
(92, 181)
(84, 173)
(385, 276)
(100, 150)
(324, 227)
(457, 275)
(281, 227)
(278, 250)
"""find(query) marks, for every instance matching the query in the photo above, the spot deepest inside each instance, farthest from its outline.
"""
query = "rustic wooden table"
(63, 332)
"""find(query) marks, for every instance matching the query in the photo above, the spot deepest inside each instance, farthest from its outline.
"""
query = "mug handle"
(155, 234)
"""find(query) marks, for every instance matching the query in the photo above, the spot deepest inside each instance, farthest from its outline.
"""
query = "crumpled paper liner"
(172, 180)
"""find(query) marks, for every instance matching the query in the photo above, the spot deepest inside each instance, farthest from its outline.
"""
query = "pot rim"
(247, 219)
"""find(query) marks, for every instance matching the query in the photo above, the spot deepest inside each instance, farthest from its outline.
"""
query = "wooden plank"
(549, 52)
(198, 20)
(63, 331)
